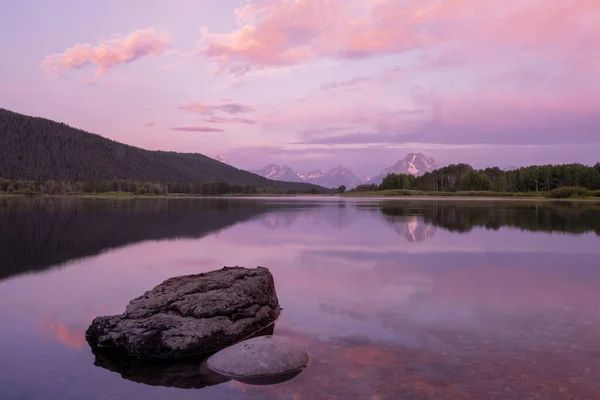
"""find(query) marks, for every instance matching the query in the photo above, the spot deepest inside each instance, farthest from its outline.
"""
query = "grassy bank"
(419, 193)
(566, 193)
(130, 195)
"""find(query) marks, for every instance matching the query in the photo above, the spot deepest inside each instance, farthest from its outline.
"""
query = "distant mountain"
(313, 175)
(333, 178)
(338, 176)
(275, 172)
(414, 164)
(39, 149)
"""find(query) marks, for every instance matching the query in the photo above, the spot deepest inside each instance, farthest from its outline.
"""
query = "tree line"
(52, 187)
(463, 177)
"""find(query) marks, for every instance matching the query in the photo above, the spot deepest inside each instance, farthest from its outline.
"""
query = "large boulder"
(191, 315)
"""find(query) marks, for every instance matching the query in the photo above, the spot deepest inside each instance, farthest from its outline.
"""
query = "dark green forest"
(557, 180)
(40, 155)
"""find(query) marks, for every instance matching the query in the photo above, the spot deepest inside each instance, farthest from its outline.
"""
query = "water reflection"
(413, 229)
(183, 374)
(566, 217)
(48, 232)
(400, 299)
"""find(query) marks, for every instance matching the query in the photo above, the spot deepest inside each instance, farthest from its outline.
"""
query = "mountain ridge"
(333, 178)
(413, 163)
(39, 149)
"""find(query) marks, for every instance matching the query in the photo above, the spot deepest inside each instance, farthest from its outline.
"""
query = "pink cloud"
(149, 124)
(235, 120)
(277, 33)
(350, 84)
(208, 109)
(519, 104)
(556, 116)
(110, 53)
(197, 129)
(271, 33)
(93, 82)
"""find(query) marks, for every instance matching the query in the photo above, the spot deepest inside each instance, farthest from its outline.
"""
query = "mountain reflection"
(337, 216)
(412, 228)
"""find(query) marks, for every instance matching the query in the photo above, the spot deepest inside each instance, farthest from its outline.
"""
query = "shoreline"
(463, 196)
(532, 199)
(367, 196)
(128, 196)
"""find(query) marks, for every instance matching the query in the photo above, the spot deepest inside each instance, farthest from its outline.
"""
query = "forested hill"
(38, 149)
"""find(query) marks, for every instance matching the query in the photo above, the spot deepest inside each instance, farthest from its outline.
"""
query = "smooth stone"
(262, 360)
(191, 315)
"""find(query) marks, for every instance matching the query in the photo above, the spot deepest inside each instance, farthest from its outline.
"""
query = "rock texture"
(260, 360)
(192, 314)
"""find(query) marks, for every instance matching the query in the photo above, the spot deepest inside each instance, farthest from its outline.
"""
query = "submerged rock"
(261, 361)
(192, 314)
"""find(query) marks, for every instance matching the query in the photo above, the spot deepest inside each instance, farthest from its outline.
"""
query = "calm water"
(393, 299)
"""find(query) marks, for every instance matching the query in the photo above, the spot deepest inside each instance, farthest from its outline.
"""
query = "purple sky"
(314, 83)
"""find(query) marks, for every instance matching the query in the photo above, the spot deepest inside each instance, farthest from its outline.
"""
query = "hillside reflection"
(41, 233)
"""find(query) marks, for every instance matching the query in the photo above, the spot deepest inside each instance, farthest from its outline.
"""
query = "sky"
(315, 83)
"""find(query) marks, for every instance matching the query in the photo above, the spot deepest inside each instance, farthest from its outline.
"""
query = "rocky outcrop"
(191, 315)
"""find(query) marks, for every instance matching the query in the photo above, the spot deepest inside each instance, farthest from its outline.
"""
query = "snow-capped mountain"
(338, 176)
(221, 159)
(414, 164)
(279, 173)
(310, 175)
(333, 178)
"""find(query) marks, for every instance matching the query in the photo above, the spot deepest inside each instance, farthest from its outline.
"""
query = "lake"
(393, 299)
